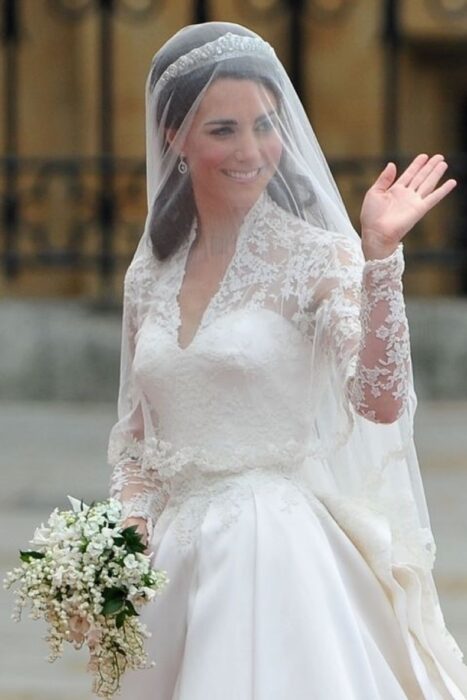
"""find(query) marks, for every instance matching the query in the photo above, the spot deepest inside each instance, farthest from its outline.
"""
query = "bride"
(264, 441)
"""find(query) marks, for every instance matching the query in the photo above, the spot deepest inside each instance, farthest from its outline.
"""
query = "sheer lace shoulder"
(141, 280)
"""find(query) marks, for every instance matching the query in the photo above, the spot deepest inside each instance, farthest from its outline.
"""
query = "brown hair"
(170, 221)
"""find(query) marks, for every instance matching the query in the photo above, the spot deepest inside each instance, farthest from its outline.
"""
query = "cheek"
(273, 150)
(210, 156)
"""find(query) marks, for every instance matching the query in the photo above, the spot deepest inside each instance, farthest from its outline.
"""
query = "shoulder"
(142, 273)
(321, 247)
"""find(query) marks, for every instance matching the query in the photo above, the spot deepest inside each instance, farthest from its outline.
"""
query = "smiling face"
(233, 147)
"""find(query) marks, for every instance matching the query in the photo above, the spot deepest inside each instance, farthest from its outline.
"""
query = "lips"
(243, 175)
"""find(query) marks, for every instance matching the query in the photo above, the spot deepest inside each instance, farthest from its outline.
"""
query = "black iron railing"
(88, 213)
(59, 213)
(62, 213)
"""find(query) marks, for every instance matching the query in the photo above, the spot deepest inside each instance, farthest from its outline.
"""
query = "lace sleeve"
(368, 332)
(140, 492)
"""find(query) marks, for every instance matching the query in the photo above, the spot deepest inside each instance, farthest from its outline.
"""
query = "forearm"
(378, 390)
(141, 493)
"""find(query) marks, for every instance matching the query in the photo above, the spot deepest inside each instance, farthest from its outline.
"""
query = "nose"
(247, 148)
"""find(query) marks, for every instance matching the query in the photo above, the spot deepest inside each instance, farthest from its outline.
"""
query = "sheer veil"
(367, 474)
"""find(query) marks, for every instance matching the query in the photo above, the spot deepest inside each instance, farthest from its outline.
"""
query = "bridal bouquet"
(87, 578)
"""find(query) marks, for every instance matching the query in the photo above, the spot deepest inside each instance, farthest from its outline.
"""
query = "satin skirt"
(275, 603)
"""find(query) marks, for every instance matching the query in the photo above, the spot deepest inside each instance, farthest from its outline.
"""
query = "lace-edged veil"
(368, 473)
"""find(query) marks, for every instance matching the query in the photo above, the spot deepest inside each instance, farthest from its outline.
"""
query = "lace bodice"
(236, 398)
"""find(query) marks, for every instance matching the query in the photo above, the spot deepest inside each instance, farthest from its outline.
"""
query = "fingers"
(432, 199)
(423, 175)
(427, 185)
(425, 171)
(386, 177)
(408, 174)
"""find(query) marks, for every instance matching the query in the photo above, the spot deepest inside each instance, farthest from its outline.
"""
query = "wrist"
(374, 251)
(390, 267)
(138, 518)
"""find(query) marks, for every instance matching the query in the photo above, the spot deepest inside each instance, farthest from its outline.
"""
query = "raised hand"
(392, 207)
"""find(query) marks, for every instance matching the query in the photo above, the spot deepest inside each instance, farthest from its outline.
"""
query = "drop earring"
(182, 166)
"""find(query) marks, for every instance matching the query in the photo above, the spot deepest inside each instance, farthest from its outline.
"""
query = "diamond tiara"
(231, 44)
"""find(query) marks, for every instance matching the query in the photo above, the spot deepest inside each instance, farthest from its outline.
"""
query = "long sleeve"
(379, 387)
(368, 331)
(137, 487)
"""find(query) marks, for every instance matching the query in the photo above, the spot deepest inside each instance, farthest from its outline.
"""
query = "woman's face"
(233, 147)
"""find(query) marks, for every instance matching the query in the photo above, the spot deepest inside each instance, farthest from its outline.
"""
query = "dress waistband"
(169, 462)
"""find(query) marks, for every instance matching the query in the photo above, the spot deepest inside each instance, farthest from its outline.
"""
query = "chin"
(243, 195)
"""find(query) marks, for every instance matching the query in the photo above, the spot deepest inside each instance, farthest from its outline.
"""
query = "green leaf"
(114, 593)
(120, 619)
(113, 606)
(30, 554)
(147, 580)
(131, 612)
(133, 540)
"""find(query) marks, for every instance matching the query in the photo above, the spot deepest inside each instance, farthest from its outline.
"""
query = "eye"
(266, 124)
(221, 131)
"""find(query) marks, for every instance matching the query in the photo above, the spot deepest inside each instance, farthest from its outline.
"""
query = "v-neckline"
(212, 298)
(223, 280)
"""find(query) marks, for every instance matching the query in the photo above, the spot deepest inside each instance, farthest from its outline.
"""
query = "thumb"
(386, 177)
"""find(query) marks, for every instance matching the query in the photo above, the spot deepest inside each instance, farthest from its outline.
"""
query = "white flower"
(57, 577)
(41, 536)
(130, 562)
(78, 626)
(62, 589)
(78, 506)
(145, 594)
(95, 547)
(93, 637)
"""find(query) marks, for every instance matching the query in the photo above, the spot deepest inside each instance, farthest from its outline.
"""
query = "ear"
(170, 135)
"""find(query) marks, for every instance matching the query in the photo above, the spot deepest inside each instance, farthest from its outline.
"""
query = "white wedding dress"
(270, 598)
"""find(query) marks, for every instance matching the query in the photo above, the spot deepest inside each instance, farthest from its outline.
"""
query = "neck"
(218, 227)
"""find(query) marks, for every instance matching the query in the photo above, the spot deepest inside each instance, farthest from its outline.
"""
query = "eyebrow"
(230, 122)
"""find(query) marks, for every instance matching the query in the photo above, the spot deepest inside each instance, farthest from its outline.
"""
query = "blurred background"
(380, 80)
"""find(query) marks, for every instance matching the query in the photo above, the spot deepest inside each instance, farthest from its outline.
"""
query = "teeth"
(241, 175)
